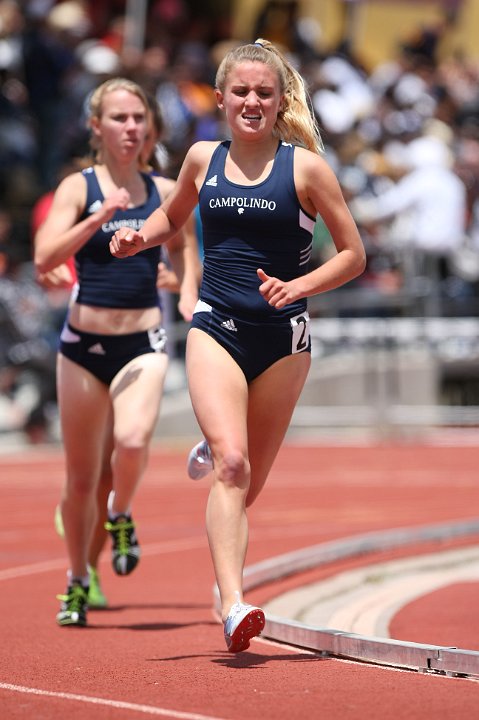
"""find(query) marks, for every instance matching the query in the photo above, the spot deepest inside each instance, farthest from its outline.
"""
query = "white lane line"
(160, 548)
(34, 569)
(117, 704)
(168, 546)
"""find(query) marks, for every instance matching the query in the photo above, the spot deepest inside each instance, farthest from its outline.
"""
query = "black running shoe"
(125, 548)
(73, 610)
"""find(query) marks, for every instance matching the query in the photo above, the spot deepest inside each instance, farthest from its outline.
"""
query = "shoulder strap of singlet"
(284, 159)
(93, 189)
(92, 181)
(152, 187)
(217, 162)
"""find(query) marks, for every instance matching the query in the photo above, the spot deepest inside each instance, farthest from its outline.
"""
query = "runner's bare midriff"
(113, 321)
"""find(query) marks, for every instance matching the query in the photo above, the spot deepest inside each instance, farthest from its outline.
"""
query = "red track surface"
(158, 650)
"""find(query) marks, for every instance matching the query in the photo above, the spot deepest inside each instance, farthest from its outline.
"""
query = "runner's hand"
(126, 242)
(276, 292)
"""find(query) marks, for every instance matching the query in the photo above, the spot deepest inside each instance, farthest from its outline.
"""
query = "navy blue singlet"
(249, 227)
(105, 281)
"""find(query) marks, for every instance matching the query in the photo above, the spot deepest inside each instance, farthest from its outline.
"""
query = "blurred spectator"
(428, 201)
(27, 344)
(49, 62)
(187, 99)
(17, 131)
(281, 22)
(427, 206)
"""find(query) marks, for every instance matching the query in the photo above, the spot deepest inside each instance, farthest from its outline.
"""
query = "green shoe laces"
(121, 531)
(76, 598)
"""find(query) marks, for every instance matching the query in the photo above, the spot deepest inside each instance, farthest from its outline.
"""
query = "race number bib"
(301, 333)
(157, 338)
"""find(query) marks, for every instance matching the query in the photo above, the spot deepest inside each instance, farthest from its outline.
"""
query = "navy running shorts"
(254, 346)
(105, 355)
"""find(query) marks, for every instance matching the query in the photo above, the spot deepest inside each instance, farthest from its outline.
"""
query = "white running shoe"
(200, 462)
(243, 623)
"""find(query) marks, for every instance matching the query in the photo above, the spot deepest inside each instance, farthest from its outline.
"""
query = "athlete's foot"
(125, 547)
(243, 623)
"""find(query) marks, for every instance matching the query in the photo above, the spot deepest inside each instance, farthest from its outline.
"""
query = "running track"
(159, 651)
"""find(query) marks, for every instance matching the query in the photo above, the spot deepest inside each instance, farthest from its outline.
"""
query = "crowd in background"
(403, 139)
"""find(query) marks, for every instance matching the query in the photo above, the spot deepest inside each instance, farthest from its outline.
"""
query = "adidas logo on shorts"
(97, 349)
(229, 325)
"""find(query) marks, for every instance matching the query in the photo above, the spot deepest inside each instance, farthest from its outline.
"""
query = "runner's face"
(251, 99)
(123, 124)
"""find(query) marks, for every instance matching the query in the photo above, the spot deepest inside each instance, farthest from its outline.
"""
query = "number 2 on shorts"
(301, 332)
